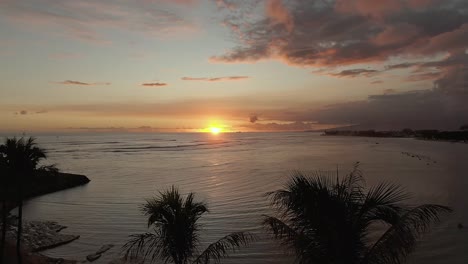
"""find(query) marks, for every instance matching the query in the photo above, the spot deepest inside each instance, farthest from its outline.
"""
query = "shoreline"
(426, 135)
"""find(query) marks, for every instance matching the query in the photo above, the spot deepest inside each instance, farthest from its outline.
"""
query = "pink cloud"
(226, 4)
(279, 14)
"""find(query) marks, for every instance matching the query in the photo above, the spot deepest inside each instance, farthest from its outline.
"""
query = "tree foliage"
(324, 219)
(174, 221)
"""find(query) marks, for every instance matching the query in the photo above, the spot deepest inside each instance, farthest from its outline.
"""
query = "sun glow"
(215, 130)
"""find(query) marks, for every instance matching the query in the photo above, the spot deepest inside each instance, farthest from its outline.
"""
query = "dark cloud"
(23, 112)
(215, 79)
(443, 107)
(70, 82)
(292, 126)
(349, 32)
(355, 73)
(253, 118)
(156, 84)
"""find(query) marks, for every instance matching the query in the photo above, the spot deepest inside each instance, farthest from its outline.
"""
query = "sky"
(240, 65)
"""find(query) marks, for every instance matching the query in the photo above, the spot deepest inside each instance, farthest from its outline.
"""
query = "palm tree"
(175, 236)
(21, 157)
(3, 191)
(324, 219)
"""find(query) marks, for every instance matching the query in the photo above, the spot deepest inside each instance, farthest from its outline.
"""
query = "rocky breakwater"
(39, 236)
(44, 182)
(49, 182)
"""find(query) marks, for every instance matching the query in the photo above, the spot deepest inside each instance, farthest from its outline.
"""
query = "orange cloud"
(215, 79)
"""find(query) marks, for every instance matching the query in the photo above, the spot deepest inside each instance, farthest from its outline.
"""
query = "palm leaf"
(399, 240)
(219, 249)
(144, 246)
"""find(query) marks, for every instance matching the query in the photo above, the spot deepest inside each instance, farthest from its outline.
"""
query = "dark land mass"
(452, 136)
(44, 182)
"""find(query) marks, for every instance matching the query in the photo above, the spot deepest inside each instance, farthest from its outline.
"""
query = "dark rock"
(104, 248)
(93, 257)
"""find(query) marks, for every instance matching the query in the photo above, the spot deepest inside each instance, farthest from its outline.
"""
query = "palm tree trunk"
(20, 223)
(4, 227)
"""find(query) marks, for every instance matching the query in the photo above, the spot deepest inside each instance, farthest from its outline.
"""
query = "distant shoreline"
(429, 135)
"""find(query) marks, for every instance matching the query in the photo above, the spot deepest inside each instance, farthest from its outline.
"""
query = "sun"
(215, 130)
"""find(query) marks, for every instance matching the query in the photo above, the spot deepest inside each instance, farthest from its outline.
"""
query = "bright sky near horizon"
(240, 65)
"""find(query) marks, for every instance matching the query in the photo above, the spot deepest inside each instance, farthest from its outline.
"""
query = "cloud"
(293, 126)
(442, 107)
(376, 82)
(215, 79)
(279, 14)
(228, 4)
(253, 118)
(338, 33)
(389, 91)
(355, 73)
(156, 84)
(70, 82)
(181, 2)
(87, 20)
(26, 112)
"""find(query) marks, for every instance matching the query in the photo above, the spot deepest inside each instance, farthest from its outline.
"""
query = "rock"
(460, 226)
(104, 248)
(126, 261)
(93, 257)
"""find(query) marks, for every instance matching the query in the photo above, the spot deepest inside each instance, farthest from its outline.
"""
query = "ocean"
(232, 172)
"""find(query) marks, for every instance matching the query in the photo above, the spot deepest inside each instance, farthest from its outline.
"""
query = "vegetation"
(4, 188)
(461, 135)
(324, 219)
(19, 158)
(175, 236)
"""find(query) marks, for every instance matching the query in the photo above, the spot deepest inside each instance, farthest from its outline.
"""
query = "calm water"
(232, 172)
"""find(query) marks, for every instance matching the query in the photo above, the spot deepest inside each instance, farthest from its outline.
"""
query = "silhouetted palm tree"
(3, 191)
(21, 157)
(328, 220)
(175, 237)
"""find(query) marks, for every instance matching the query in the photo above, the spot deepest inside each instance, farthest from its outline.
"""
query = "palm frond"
(143, 246)
(280, 229)
(220, 249)
(399, 240)
(383, 203)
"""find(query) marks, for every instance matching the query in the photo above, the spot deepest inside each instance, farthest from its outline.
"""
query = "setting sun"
(215, 130)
